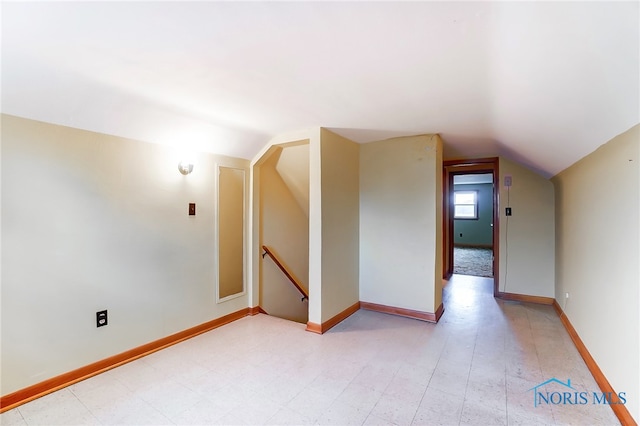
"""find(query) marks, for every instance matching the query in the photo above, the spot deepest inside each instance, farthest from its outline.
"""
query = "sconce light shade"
(185, 167)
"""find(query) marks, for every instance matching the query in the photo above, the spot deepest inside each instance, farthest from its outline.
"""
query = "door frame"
(451, 168)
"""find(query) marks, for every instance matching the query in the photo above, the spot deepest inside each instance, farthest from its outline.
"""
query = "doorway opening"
(473, 224)
(282, 178)
(470, 218)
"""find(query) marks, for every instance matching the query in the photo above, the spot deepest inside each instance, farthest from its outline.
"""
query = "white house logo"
(568, 395)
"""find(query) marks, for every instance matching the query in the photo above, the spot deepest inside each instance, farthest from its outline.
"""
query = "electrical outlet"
(192, 209)
(507, 181)
(101, 318)
(507, 211)
(566, 295)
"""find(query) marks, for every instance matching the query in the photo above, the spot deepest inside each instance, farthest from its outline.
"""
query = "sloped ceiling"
(542, 83)
(293, 168)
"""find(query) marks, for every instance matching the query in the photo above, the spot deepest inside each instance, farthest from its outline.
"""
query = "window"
(465, 204)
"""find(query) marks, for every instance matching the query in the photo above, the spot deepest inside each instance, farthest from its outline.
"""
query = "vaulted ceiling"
(542, 83)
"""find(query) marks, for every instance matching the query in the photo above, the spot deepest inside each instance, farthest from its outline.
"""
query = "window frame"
(474, 204)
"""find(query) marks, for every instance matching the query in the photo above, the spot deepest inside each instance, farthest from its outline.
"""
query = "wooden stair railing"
(284, 270)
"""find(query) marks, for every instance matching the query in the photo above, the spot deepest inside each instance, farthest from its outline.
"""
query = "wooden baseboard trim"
(19, 397)
(314, 327)
(439, 312)
(619, 410)
(541, 300)
(257, 310)
(340, 317)
(409, 313)
(325, 326)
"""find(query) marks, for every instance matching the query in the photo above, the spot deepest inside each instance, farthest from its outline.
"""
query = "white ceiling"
(542, 83)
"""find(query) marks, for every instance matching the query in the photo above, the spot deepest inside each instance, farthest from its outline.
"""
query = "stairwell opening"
(284, 230)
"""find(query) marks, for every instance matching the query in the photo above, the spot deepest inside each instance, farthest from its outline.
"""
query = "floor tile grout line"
(84, 405)
(22, 415)
(527, 311)
(413, 419)
(504, 375)
(466, 387)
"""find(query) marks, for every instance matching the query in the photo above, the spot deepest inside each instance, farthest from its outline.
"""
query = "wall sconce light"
(185, 167)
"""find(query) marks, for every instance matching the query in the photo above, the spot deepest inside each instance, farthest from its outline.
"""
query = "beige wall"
(597, 213)
(527, 244)
(400, 222)
(340, 223)
(284, 227)
(93, 222)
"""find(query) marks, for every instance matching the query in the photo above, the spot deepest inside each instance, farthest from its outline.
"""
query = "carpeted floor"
(472, 261)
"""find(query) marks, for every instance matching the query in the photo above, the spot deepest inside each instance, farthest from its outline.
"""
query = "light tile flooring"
(474, 367)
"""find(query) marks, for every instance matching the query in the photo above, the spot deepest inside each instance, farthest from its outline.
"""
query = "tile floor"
(474, 367)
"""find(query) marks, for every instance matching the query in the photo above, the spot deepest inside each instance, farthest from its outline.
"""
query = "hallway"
(475, 367)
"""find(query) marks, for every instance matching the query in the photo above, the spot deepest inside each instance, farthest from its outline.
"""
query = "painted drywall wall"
(93, 222)
(476, 232)
(527, 238)
(597, 258)
(340, 223)
(401, 222)
(284, 228)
